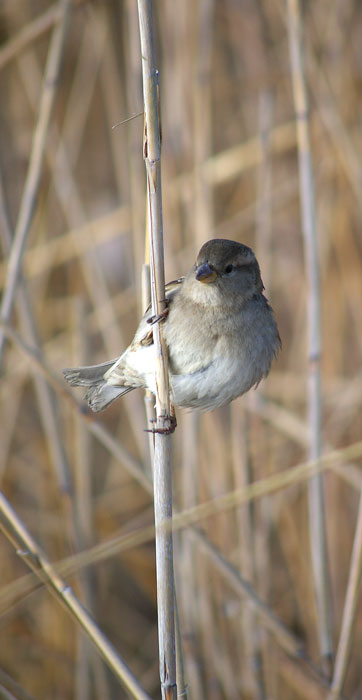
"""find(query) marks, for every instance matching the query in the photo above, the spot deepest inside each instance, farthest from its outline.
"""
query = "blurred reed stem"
(16, 532)
(45, 395)
(96, 428)
(62, 159)
(162, 450)
(90, 667)
(318, 543)
(30, 33)
(349, 611)
(83, 508)
(252, 673)
(264, 520)
(187, 559)
(31, 186)
(11, 690)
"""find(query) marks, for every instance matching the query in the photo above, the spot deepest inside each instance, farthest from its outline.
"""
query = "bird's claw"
(159, 317)
(167, 429)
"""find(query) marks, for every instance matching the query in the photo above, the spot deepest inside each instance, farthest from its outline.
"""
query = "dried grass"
(82, 485)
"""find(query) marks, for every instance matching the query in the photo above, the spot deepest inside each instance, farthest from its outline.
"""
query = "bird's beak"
(205, 273)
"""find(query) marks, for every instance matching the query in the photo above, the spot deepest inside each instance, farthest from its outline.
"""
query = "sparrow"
(219, 329)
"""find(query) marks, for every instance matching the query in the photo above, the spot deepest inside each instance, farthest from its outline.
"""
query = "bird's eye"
(228, 269)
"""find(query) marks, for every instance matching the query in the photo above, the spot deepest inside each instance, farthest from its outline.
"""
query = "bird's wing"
(144, 334)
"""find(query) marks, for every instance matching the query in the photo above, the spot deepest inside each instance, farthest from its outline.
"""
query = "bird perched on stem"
(219, 329)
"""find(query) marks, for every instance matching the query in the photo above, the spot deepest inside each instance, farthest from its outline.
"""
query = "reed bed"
(77, 499)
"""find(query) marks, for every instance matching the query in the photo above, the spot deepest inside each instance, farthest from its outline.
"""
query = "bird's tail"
(99, 393)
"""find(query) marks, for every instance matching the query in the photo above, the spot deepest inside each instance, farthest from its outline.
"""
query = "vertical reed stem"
(30, 191)
(349, 611)
(162, 451)
(316, 496)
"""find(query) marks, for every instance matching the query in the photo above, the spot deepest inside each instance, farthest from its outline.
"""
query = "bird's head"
(229, 270)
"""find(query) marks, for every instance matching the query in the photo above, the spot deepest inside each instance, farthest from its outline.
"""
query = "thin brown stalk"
(35, 165)
(218, 169)
(349, 611)
(74, 213)
(16, 532)
(95, 428)
(193, 572)
(82, 678)
(46, 400)
(186, 561)
(285, 638)
(12, 686)
(62, 157)
(136, 175)
(264, 519)
(318, 542)
(201, 101)
(10, 420)
(191, 516)
(162, 452)
(264, 210)
(29, 34)
(73, 243)
(78, 523)
(292, 426)
(180, 664)
(114, 93)
(82, 481)
(44, 393)
(300, 684)
(245, 543)
(88, 663)
(266, 485)
(232, 162)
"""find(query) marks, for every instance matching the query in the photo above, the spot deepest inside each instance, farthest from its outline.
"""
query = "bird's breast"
(214, 359)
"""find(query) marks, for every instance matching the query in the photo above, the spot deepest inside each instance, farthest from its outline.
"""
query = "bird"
(220, 332)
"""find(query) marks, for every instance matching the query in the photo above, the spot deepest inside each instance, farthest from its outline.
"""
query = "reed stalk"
(317, 528)
(35, 166)
(27, 547)
(349, 612)
(162, 446)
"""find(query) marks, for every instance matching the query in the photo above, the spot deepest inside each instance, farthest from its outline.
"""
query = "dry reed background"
(230, 169)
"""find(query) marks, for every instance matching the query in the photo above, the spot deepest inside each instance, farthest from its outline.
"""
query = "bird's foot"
(159, 317)
(168, 427)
